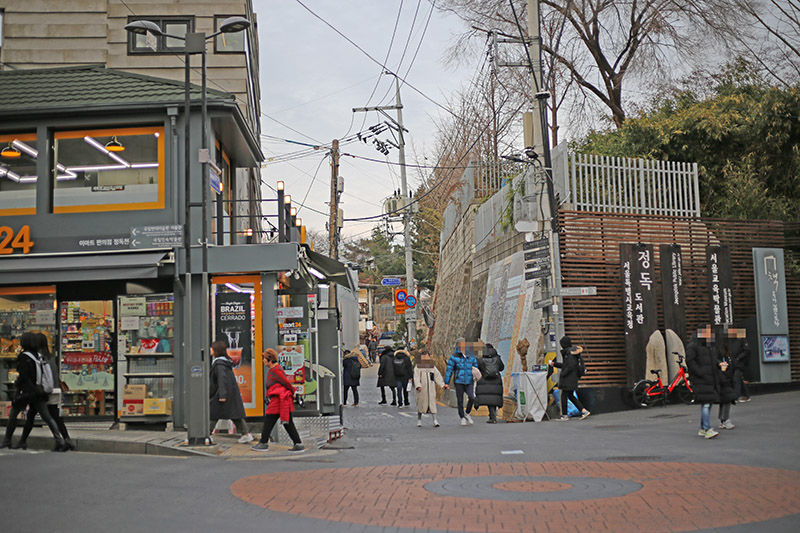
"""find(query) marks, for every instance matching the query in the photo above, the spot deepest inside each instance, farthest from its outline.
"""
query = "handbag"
(476, 374)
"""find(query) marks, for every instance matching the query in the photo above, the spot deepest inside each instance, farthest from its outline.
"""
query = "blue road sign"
(411, 301)
(391, 282)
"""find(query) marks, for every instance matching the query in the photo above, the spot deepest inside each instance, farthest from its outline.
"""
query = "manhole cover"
(634, 458)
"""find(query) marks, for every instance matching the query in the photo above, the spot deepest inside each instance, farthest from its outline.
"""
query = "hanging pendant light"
(114, 145)
(10, 151)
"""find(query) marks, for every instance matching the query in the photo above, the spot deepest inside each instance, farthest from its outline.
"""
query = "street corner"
(237, 451)
(513, 496)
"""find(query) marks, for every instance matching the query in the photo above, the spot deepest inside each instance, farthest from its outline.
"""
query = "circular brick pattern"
(684, 495)
(531, 486)
(577, 488)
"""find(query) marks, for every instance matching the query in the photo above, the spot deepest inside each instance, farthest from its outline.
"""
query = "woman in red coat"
(280, 398)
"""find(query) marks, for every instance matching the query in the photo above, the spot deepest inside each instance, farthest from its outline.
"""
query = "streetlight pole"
(197, 384)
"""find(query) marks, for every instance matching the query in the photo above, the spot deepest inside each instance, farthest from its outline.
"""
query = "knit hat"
(566, 342)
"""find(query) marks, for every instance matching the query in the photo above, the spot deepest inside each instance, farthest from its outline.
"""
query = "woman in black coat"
(568, 377)
(727, 390)
(226, 400)
(28, 394)
(350, 362)
(702, 358)
(386, 375)
(489, 389)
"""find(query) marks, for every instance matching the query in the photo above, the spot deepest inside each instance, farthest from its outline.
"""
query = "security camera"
(542, 95)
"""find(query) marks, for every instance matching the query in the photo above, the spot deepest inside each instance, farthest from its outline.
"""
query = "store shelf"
(148, 375)
(159, 354)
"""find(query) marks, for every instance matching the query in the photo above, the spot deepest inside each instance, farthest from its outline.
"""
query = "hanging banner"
(771, 306)
(233, 324)
(674, 304)
(639, 305)
(720, 284)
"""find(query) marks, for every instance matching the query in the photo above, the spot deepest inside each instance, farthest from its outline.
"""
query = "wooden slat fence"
(590, 257)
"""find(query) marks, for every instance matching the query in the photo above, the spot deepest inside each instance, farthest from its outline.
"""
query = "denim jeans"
(461, 389)
(705, 416)
(402, 392)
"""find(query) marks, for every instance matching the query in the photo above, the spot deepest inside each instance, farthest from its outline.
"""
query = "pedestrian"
(372, 343)
(727, 391)
(30, 391)
(489, 389)
(351, 373)
(226, 400)
(568, 376)
(403, 371)
(426, 377)
(53, 399)
(740, 358)
(702, 361)
(386, 376)
(280, 404)
(460, 366)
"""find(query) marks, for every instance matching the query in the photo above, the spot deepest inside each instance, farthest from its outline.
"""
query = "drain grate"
(634, 458)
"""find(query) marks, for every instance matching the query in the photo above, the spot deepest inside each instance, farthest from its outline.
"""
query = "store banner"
(674, 299)
(720, 284)
(771, 305)
(234, 324)
(639, 305)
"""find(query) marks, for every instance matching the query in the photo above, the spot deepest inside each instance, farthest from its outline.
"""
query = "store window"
(109, 170)
(164, 44)
(232, 42)
(22, 310)
(18, 174)
(296, 316)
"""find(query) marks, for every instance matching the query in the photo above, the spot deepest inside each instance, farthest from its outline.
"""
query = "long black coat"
(727, 392)
(569, 372)
(347, 364)
(223, 385)
(386, 369)
(701, 359)
(26, 380)
(489, 391)
(408, 368)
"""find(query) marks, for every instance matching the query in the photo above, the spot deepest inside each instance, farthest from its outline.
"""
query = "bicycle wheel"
(684, 394)
(640, 397)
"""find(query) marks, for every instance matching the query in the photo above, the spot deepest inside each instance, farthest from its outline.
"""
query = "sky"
(312, 78)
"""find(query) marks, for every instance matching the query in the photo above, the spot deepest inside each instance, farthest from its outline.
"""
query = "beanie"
(566, 342)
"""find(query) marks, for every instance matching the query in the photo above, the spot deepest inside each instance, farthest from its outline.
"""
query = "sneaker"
(435, 423)
(408, 404)
(744, 399)
(393, 403)
(492, 421)
(260, 447)
(419, 423)
(400, 406)
(726, 424)
(247, 437)
(355, 405)
(470, 420)
(701, 433)
(563, 418)
(463, 421)
(298, 448)
(382, 402)
(710, 434)
(584, 414)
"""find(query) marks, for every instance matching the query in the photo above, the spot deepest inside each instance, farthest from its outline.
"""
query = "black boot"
(5, 444)
(61, 445)
(69, 445)
(20, 445)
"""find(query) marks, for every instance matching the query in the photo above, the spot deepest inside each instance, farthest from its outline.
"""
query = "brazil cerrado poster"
(233, 324)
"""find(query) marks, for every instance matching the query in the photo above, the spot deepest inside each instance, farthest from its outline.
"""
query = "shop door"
(87, 360)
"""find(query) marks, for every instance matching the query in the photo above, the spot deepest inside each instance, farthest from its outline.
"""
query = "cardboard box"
(134, 392)
(132, 407)
(157, 406)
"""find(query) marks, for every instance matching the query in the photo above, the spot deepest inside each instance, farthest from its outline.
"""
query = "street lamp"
(197, 389)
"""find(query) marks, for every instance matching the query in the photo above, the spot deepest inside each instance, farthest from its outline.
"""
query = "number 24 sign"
(9, 240)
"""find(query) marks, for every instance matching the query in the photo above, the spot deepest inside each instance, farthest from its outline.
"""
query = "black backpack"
(399, 366)
(355, 369)
(492, 366)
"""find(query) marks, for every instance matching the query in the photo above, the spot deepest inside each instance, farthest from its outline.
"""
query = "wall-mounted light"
(11, 151)
(298, 222)
(293, 211)
(280, 185)
(287, 199)
(114, 145)
(248, 232)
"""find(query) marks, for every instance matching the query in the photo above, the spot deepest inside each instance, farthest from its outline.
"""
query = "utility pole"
(333, 223)
(411, 314)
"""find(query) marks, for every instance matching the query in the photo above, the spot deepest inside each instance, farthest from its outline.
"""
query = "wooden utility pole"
(333, 223)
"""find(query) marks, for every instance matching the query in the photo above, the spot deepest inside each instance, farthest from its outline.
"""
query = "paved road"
(629, 471)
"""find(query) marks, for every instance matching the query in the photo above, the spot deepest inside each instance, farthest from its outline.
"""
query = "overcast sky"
(311, 78)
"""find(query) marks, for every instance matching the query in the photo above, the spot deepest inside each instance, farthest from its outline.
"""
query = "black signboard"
(539, 243)
(536, 254)
(233, 326)
(672, 289)
(639, 305)
(537, 274)
(720, 284)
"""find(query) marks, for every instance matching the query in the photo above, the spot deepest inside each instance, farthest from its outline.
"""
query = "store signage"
(639, 305)
(11, 240)
(289, 312)
(391, 282)
(133, 307)
(87, 358)
(107, 188)
(162, 236)
(312, 300)
(539, 243)
(290, 338)
(233, 323)
(720, 284)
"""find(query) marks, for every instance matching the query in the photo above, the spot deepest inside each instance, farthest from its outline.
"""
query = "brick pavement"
(571, 496)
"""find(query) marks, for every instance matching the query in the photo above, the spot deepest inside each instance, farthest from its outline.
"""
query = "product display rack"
(145, 348)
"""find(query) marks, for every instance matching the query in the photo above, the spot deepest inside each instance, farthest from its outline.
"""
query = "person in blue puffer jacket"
(460, 366)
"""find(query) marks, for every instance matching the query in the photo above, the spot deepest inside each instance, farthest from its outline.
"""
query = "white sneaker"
(710, 434)
(727, 424)
(247, 437)
(584, 414)
(469, 419)
(419, 423)
(435, 423)
(463, 421)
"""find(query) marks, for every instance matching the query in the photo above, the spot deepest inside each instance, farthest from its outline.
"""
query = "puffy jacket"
(347, 365)
(489, 390)
(386, 369)
(569, 370)
(460, 366)
(279, 392)
(401, 364)
(701, 359)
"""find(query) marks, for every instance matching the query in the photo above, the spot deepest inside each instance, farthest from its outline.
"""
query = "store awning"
(330, 268)
(80, 267)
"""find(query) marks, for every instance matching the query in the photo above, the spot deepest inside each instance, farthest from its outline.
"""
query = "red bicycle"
(647, 392)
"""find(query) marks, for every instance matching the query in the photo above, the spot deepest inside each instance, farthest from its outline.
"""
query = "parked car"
(386, 339)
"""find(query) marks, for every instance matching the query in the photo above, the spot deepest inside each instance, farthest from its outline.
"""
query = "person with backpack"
(489, 389)
(351, 374)
(226, 400)
(426, 377)
(403, 371)
(460, 366)
(53, 400)
(34, 380)
(571, 369)
(386, 376)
